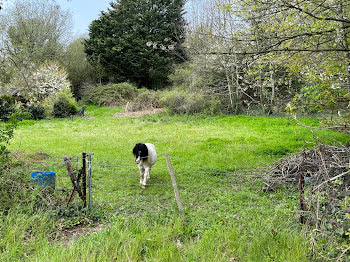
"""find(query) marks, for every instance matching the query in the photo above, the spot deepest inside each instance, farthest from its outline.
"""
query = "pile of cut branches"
(323, 177)
(317, 165)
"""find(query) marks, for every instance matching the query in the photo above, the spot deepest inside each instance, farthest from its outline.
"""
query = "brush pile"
(317, 165)
(322, 175)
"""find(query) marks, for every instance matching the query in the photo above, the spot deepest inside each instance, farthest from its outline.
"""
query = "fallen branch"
(344, 128)
(329, 180)
(342, 254)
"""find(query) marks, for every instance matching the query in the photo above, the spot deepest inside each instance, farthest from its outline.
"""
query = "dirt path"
(78, 231)
(139, 113)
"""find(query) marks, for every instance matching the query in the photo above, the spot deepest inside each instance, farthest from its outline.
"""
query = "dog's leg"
(148, 173)
(142, 171)
(145, 176)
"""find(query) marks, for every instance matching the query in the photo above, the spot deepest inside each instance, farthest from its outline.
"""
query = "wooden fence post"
(75, 181)
(173, 181)
(302, 204)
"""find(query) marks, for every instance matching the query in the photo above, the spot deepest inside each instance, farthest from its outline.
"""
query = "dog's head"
(140, 151)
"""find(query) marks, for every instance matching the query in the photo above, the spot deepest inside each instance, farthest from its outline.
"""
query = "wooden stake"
(302, 204)
(173, 181)
(75, 181)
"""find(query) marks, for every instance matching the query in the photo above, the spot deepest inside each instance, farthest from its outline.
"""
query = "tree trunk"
(272, 80)
(346, 46)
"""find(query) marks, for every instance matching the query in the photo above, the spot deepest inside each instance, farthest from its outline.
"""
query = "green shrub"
(37, 111)
(182, 102)
(146, 99)
(20, 115)
(320, 98)
(63, 94)
(64, 108)
(182, 76)
(6, 134)
(62, 104)
(6, 107)
(189, 94)
(111, 94)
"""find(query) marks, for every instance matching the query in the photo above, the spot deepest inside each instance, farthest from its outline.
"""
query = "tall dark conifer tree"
(138, 41)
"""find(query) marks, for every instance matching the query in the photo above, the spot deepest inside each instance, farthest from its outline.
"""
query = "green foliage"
(9, 189)
(35, 35)
(138, 41)
(64, 104)
(111, 94)
(20, 115)
(187, 95)
(6, 107)
(191, 78)
(182, 76)
(63, 108)
(14, 188)
(146, 99)
(78, 69)
(33, 32)
(20, 233)
(178, 101)
(6, 133)
(37, 111)
(319, 98)
(322, 98)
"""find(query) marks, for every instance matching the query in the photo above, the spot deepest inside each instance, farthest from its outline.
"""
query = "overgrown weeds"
(324, 172)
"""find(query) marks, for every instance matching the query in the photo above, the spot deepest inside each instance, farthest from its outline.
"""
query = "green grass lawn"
(227, 216)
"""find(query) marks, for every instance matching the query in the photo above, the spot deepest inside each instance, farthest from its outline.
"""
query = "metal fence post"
(84, 178)
(89, 180)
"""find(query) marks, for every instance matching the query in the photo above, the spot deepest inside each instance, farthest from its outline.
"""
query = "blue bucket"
(44, 178)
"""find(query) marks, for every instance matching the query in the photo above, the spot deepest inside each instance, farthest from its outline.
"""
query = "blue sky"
(83, 12)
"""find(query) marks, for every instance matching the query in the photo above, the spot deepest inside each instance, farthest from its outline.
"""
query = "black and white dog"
(146, 157)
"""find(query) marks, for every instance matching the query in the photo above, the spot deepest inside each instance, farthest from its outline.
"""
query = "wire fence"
(115, 183)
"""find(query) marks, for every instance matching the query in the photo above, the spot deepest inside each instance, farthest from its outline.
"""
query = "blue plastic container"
(44, 178)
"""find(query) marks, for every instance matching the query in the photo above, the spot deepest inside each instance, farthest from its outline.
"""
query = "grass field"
(228, 217)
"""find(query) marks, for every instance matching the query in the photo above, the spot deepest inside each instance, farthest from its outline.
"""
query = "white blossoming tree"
(42, 81)
(48, 79)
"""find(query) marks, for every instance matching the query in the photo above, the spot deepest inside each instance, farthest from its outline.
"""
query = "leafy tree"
(31, 32)
(269, 50)
(315, 33)
(42, 82)
(223, 60)
(78, 68)
(121, 40)
(35, 31)
(311, 39)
